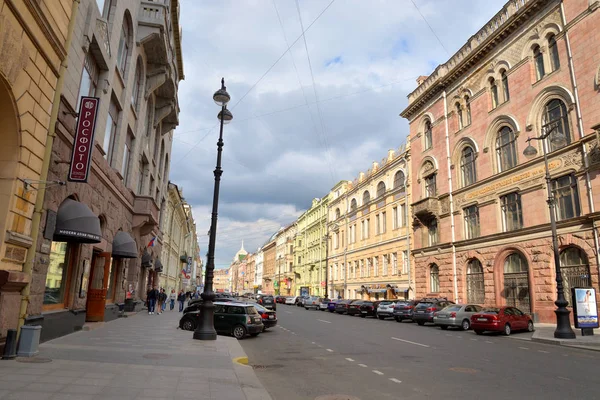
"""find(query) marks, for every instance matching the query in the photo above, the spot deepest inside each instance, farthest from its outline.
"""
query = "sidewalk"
(544, 333)
(139, 357)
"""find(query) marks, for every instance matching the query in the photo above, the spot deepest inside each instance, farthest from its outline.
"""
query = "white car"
(291, 300)
(385, 309)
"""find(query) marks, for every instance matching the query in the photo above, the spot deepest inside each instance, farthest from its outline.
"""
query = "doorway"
(98, 286)
(516, 282)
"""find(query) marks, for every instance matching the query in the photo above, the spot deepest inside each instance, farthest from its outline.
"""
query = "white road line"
(408, 341)
(289, 312)
(474, 340)
(329, 350)
(524, 348)
(487, 341)
(362, 365)
(447, 334)
(377, 372)
(322, 320)
(544, 351)
(349, 359)
(312, 343)
(395, 380)
(319, 345)
(460, 337)
(293, 333)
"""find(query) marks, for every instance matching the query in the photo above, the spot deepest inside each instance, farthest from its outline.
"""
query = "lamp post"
(563, 322)
(206, 329)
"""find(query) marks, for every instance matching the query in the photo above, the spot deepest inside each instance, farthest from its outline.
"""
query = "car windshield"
(251, 310)
(259, 308)
(424, 305)
(490, 310)
(453, 308)
(386, 303)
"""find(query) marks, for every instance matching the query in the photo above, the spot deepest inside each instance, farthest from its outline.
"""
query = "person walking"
(172, 298)
(151, 297)
(162, 297)
(181, 299)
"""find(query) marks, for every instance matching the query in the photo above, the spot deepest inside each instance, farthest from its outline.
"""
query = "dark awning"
(146, 259)
(377, 290)
(76, 223)
(124, 246)
(158, 267)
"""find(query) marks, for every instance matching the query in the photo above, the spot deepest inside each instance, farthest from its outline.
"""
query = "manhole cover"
(157, 356)
(270, 366)
(34, 360)
(464, 370)
(337, 397)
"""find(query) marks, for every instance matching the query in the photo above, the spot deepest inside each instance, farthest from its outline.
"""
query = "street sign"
(83, 145)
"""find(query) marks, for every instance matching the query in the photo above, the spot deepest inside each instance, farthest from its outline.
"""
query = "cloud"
(282, 148)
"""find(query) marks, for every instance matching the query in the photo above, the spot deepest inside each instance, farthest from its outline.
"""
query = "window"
(405, 262)
(475, 282)
(566, 197)
(137, 85)
(467, 166)
(505, 89)
(395, 218)
(110, 131)
(385, 261)
(383, 222)
(113, 270)
(337, 213)
(468, 109)
(506, 149)
(162, 156)
(403, 215)
(394, 263)
(556, 120)
(459, 116)
(127, 157)
(538, 60)
(380, 189)
(428, 135)
(511, 211)
(362, 269)
(56, 278)
(494, 92)
(366, 197)
(89, 79)
(353, 205)
(430, 189)
(399, 180)
(471, 215)
(432, 232)
(434, 279)
(575, 270)
(376, 266)
(124, 43)
(378, 224)
(142, 173)
(553, 50)
(336, 240)
(365, 228)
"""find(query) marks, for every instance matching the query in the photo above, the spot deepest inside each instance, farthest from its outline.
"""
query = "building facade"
(221, 280)
(258, 275)
(268, 278)
(369, 233)
(250, 273)
(284, 282)
(175, 229)
(100, 241)
(481, 223)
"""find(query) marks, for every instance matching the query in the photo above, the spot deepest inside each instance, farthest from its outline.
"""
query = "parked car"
(237, 319)
(368, 308)
(324, 304)
(331, 305)
(341, 307)
(291, 300)
(501, 319)
(458, 315)
(354, 307)
(269, 317)
(280, 299)
(312, 302)
(423, 312)
(385, 309)
(194, 305)
(301, 300)
(404, 310)
(268, 302)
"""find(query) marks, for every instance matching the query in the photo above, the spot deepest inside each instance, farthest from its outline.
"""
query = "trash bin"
(29, 341)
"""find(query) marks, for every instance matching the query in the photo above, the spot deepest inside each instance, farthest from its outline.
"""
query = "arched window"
(353, 205)
(434, 279)
(380, 189)
(494, 92)
(366, 197)
(516, 282)
(575, 270)
(428, 135)
(124, 46)
(538, 60)
(137, 85)
(553, 50)
(505, 89)
(428, 174)
(399, 180)
(459, 115)
(468, 109)
(467, 166)
(337, 213)
(556, 119)
(506, 149)
(475, 282)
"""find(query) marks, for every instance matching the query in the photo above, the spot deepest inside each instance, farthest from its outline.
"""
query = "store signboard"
(83, 145)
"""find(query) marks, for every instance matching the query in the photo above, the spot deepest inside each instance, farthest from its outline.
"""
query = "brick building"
(481, 222)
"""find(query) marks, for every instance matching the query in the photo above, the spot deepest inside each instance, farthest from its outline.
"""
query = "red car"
(501, 319)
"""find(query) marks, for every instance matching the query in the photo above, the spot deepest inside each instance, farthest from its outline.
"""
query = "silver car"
(458, 315)
(312, 302)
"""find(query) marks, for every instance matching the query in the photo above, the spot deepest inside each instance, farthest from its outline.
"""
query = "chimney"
(421, 79)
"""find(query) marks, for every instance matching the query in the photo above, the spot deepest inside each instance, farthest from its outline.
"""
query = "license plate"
(421, 312)
(257, 320)
(442, 315)
(482, 319)
(364, 312)
(271, 317)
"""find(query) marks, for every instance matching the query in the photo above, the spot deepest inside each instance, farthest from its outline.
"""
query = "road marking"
(408, 341)
(289, 312)
(349, 359)
(319, 345)
(329, 350)
(362, 365)
(293, 333)
(562, 377)
(449, 335)
(322, 320)
(395, 380)
(474, 340)
(487, 341)
(524, 348)
(460, 337)
(312, 343)
(377, 372)
(544, 351)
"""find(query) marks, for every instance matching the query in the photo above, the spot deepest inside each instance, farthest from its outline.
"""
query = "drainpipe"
(588, 184)
(407, 226)
(39, 200)
(448, 163)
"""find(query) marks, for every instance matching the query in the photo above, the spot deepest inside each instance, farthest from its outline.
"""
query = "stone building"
(250, 273)
(175, 228)
(268, 276)
(221, 280)
(284, 256)
(101, 240)
(481, 222)
(258, 274)
(369, 234)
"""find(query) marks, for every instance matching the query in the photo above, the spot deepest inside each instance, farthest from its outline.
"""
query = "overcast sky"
(290, 140)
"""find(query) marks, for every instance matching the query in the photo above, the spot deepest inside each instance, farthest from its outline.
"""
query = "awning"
(146, 259)
(158, 267)
(76, 223)
(124, 246)
(377, 290)
(401, 289)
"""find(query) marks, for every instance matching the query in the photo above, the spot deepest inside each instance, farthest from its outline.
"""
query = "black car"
(194, 305)
(237, 319)
(354, 307)
(268, 302)
(341, 307)
(368, 308)
(269, 317)
(426, 308)
(404, 310)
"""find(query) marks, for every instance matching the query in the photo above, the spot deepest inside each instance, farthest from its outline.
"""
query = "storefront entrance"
(98, 286)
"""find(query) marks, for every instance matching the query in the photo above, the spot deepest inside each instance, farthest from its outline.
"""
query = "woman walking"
(181, 299)
(172, 298)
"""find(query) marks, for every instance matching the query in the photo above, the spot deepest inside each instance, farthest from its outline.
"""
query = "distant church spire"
(241, 254)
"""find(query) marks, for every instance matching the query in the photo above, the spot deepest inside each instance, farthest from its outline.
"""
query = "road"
(314, 353)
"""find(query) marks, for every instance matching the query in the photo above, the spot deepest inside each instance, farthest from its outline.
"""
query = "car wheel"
(306, 308)
(421, 323)
(330, 311)
(254, 334)
(188, 325)
(381, 317)
(398, 319)
(478, 332)
(362, 315)
(506, 331)
(239, 332)
(466, 325)
(530, 327)
(444, 327)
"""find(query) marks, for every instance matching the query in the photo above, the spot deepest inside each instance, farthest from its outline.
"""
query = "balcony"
(427, 208)
(145, 214)
(152, 31)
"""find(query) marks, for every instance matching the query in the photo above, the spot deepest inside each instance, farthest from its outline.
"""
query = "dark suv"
(404, 309)
(424, 311)
(268, 302)
(235, 319)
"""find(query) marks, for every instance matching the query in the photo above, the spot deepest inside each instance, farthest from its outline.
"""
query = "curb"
(561, 343)
(241, 360)
(251, 386)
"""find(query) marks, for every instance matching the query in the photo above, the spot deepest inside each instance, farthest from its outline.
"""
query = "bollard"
(10, 347)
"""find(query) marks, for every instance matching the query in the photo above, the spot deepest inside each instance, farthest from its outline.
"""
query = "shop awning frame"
(76, 223)
(124, 246)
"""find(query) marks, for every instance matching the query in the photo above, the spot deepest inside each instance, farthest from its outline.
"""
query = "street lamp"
(206, 329)
(563, 322)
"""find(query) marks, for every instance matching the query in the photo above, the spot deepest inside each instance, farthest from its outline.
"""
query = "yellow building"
(369, 233)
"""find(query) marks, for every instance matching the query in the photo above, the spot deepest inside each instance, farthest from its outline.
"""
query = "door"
(96, 295)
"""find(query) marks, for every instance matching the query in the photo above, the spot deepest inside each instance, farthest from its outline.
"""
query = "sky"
(306, 118)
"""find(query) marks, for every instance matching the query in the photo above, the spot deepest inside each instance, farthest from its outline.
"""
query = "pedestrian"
(181, 300)
(163, 300)
(172, 298)
(151, 297)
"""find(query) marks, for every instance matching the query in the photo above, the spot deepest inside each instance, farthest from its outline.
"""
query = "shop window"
(57, 278)
(112, 279)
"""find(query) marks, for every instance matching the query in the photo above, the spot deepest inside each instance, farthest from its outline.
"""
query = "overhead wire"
(430, 27)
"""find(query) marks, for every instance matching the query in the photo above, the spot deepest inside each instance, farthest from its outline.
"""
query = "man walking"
(151, 297)
(181, 300)
(162, 297)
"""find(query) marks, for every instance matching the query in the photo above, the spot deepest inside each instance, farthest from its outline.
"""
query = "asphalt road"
(314, 353)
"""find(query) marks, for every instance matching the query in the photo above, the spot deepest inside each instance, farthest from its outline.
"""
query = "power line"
(430, 28)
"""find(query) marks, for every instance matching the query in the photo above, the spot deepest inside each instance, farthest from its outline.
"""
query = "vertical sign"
(585, 309)
(81, 157)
